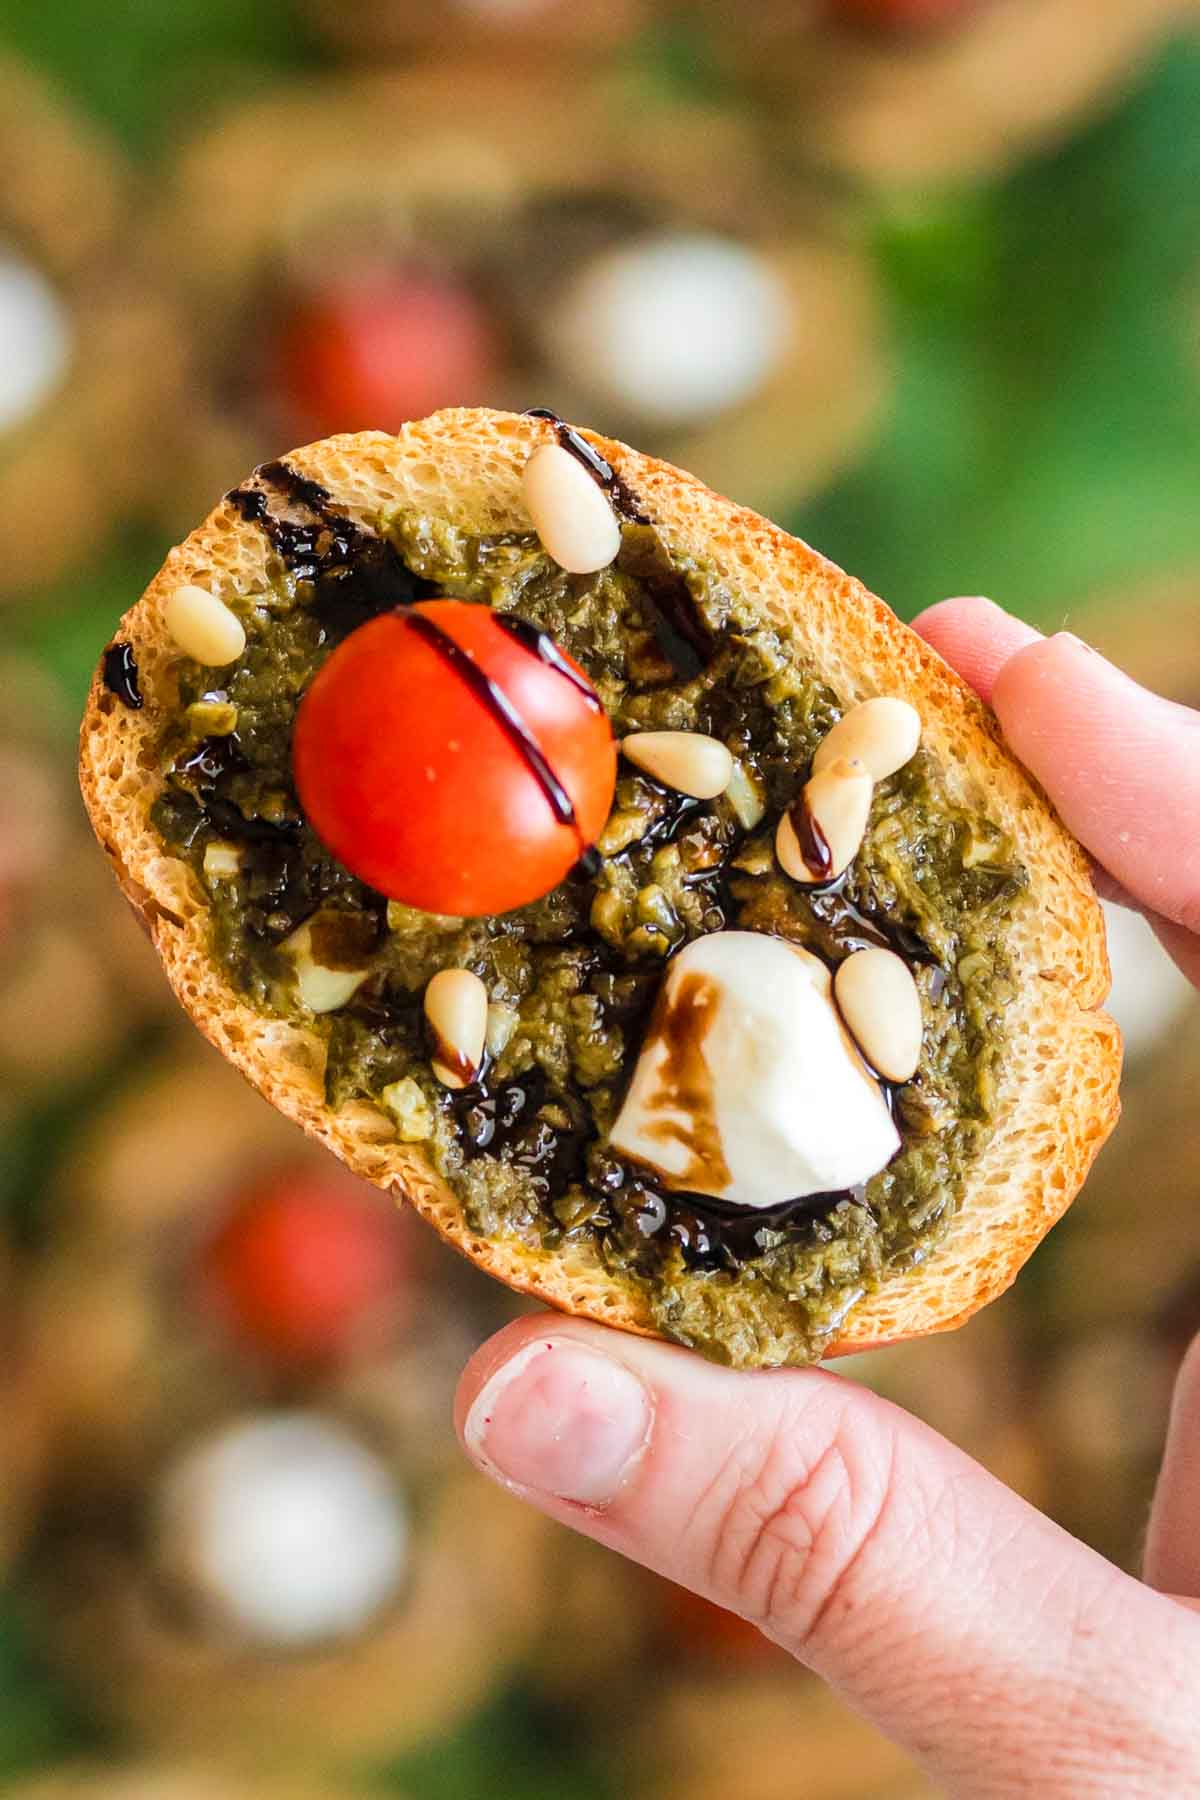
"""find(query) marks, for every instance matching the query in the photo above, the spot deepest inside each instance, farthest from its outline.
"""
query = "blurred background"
(919, 277)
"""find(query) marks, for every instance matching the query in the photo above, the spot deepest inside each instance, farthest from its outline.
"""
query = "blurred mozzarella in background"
(671, 329)
(35, 339)
(284, 1529)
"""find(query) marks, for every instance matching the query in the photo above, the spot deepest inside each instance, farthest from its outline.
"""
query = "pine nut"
(883, 734)
(203, 627)
(570, 513)
(687, 761)
(832, 812)
(322, 990)
(456, 1009)
(878, 1000)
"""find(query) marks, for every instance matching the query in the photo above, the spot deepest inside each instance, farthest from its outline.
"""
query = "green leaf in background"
(68, 626)
(141, 66)
(515, 1749)
(1045, 434)
(38, 1723)
(42, 1136)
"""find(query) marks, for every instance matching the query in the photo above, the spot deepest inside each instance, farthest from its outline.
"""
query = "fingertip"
(1041, 684)
(975, 636)
(1120, 763)
(1043, 659)
(944, 615)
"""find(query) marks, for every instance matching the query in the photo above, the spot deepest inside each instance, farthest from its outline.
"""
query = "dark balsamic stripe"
(601, 471)
(502, 710)
(251, 503)
(772, 1218)
(121, 675)
(682, 634)
(327, 541)
(714, 1234)
(454, 1060)
(814, 845)
(532, 637)
(289, 481)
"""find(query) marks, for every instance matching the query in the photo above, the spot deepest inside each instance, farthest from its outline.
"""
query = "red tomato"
(412, 780)
(379, 350)
(306, 1269)
(899, 14)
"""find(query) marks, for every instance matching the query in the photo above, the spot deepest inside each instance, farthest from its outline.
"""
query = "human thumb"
(997, 1649)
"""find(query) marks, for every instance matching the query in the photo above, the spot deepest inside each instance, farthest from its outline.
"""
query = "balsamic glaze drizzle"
(682, 634)
(831, 900)
(250, 503)
(710, 1234)
(601, 471)
(325, 543)
(737, 1234)
(281, 475)
(532, 637)
(121, 675)
(502, 710)
(814, 845)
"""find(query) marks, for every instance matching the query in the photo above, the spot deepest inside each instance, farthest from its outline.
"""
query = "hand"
(1003, 1654)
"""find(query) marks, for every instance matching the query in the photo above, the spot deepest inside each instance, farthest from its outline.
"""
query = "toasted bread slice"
(1059, 1093)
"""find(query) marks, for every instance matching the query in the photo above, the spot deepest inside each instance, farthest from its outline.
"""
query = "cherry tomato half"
(409, 775)
(378, 350)
(306, 1269)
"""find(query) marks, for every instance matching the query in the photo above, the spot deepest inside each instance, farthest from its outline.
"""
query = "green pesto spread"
(571, 978)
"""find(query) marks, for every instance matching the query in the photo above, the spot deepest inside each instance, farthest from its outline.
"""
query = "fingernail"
(1068, 637)
(560, 1420)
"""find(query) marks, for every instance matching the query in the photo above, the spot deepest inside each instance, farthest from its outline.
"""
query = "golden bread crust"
(1058, 1099)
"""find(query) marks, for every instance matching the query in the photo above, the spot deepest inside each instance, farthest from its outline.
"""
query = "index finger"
(1121, 765)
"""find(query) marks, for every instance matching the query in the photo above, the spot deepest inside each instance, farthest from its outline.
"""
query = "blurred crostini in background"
(465, 232)
(91, 360)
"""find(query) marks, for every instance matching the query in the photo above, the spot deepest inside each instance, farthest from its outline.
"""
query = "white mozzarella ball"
(284, 1529)
(35, 339)
(747, 1086)
(671, 329)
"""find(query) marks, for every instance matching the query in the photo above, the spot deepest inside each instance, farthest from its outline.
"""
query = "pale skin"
(1004, 1655)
